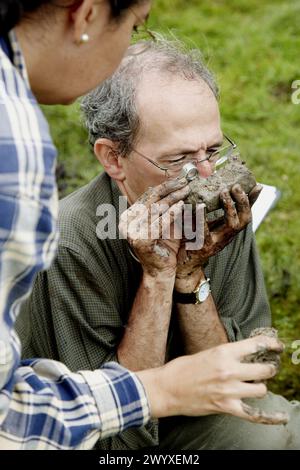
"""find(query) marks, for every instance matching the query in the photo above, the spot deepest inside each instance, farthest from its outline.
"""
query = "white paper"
(266, 200)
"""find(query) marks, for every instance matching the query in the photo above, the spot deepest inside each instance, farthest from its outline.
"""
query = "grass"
(253, 48)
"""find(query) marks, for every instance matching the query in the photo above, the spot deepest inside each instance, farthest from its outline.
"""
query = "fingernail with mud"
(179, 181)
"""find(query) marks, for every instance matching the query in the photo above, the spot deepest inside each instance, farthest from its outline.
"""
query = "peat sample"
(207, 190)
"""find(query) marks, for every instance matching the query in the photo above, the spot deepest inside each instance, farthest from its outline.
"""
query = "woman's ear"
(107, 155)
(82, 14)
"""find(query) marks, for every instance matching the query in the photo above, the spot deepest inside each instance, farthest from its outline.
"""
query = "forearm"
(200, 324)
(144, 342)
(99, 408)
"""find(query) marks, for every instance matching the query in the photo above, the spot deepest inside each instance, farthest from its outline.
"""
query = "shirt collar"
(18, 58)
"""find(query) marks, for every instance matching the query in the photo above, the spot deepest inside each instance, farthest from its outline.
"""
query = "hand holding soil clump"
(270, 357)
(207, 190)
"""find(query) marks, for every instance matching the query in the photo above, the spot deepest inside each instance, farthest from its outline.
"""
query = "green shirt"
(80, 306)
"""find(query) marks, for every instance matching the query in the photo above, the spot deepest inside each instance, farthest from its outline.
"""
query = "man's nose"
(204, 169)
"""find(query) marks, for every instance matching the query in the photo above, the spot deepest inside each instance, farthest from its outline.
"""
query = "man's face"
(178, 118)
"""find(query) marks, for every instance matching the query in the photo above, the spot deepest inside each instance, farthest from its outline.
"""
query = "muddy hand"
(147, 221)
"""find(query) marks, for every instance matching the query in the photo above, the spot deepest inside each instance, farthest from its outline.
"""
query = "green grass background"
(253, 46)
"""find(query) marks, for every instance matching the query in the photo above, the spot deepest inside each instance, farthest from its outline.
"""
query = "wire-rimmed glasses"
(217, 158)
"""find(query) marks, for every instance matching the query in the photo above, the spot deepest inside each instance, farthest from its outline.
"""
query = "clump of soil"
(207, 190)
(263, 356)
(271, 357)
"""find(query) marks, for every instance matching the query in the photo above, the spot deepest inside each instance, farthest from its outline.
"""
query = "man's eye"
(211, 153)
(178, 160)
(213, 150)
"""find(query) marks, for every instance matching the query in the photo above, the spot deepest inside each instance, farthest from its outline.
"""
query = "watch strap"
(184, 298)
(192, 297)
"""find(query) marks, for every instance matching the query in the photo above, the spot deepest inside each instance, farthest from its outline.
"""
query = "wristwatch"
(198, 296)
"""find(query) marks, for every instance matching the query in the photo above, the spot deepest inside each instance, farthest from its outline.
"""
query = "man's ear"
(82, 13)
(107, 155)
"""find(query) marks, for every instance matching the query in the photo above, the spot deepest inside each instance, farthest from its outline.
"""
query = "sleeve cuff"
(120, 398)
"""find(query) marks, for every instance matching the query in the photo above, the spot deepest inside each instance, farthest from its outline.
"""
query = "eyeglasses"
(217, 158)
(142, 38)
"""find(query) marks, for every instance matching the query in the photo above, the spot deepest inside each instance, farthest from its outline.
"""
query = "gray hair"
(110, 110)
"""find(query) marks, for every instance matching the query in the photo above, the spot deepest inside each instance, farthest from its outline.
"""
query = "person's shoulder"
(84, 199)
(78, 211)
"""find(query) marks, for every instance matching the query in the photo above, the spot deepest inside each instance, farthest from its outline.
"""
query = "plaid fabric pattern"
(83, 301)
(42, 404)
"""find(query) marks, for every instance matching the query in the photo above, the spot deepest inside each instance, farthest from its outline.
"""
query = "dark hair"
(119, 6)
(12, 11)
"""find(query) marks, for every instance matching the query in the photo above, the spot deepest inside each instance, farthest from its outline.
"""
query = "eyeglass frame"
(233, 146)
(145, 43)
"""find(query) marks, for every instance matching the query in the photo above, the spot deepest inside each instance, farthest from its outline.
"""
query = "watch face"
(204, 291)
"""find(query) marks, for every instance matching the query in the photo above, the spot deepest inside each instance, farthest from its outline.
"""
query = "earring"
(84, 38)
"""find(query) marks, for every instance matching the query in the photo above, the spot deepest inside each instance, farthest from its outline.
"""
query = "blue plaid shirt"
(42, 404)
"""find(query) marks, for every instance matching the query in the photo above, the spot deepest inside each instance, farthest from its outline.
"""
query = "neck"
(131, 197)
(32, 51)
(41, 50)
